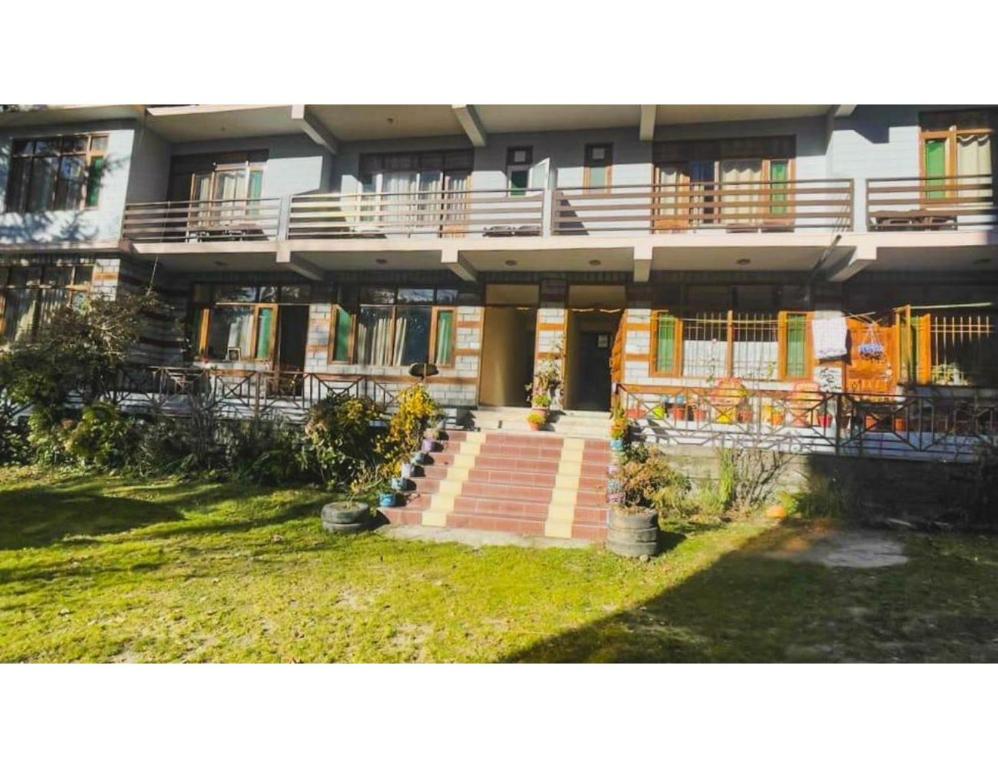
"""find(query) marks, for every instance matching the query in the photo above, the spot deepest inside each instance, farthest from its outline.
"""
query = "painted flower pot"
(387, 499)
(614, 486)
(615, 498)
(825, 420)
(634, 534)
(900, 424)
(658, 412)
(429, 445)
(399, 484)
(407, 470)
(418, 458)
(679, 412)
(617, 444)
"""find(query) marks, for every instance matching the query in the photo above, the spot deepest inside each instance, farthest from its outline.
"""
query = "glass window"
(231, 333)
(61, 173)
(412, 335)
(374, 336)
(447, 295)
(265, 332)
(296, 294)
(443, 349)
(665, 343)
(415, 296)
(796, 346)
(236, 293)
(342, 328)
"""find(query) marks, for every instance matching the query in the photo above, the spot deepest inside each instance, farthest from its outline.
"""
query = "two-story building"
(656, 252)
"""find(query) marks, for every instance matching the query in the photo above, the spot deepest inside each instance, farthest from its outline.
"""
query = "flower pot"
(399, 484)
(541, 410)
(900, 424)
(744, 416)
(387, 499)
(633, 535)
(345, 516)
(418, 458)
(658, 412)
(429, 445)
(825, 420)
(679, 412)
(407, 469)
(617, 444)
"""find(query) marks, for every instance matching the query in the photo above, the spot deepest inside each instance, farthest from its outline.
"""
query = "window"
(412, 186)
(228, 176)
(793, 344)
(29, 296)
(403, 327)
(518, 162)
(667, 336)
(599, 166)
(956, 144)
(714, 181)
(59, 173)
(239, 322)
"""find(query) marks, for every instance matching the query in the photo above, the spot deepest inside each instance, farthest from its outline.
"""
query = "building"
(676, 256)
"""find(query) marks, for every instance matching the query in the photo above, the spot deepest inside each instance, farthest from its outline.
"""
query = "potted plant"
(429, 445)
(399, 484)
(541, 403)
(345, 516)
(648, 486)
(536, 420)
(620, 428)
(387, 498)
(679, 412)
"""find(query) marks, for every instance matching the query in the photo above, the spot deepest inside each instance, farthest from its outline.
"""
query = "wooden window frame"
(677, 344)
(513, 165)
(73, 288)
(432, 354)
(205, 330)
(589, 164)
(89, 155)
(338, 310)
(435, 311)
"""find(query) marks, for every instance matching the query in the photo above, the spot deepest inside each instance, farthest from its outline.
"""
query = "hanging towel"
(829, 335)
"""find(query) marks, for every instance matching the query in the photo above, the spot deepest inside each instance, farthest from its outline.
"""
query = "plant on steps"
(536, 420)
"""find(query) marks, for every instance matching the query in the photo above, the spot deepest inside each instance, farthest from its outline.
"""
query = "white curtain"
(741, 200)
(374, 332)
(973, 158)
(398, 206)
(401, 326)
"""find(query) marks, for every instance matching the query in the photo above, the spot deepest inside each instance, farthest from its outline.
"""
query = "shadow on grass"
(750, 607)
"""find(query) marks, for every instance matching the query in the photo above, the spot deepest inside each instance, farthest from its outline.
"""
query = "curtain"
(973, 158)
(741, 198)
(19, 313)
(445, 339)
(935, 166)
(665, 344)
(52, 299)
(396, 186)
(264, 328)
(412, 335)
(374, 332)
(231, 329)
(457, 204)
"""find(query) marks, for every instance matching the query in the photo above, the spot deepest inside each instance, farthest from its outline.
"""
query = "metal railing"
(196, 221)
(235, 394)
(922, 425)
(488, 213)
(920, 203)
(737, 206)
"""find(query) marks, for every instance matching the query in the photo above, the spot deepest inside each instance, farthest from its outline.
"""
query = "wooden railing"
(749, 206)
(936, 204)
(195, 221)
(489, 213)
(924, 424)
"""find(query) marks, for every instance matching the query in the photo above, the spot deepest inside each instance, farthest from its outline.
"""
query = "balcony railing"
(936, 204)
(741, 206)
(488, 213)
(193, 221)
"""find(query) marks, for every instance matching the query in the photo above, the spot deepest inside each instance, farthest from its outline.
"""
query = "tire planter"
(345, 516)
(633, 535)
(617, 444)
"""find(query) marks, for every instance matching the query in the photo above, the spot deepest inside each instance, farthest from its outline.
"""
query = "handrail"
(924, 203)
(438, 213)
(202, 220)
(737, 206)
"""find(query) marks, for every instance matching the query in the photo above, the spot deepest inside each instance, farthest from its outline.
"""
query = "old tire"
(633, 535)
(345, 513)
(344, 527)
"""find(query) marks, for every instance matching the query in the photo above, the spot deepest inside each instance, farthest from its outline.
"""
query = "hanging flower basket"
(872, 348)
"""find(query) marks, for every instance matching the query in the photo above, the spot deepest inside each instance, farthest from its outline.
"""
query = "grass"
(111, 569)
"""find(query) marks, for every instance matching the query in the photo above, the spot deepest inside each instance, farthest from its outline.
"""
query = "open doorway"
(507, 355)
(292, 334)
(589, 343)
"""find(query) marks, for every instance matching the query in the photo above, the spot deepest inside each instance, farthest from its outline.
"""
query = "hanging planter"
(872, 348)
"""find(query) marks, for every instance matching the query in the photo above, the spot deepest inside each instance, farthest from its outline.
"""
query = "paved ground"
(477, 539)
(843, 549)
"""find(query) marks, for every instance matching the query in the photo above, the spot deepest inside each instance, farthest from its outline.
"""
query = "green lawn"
(119, 570)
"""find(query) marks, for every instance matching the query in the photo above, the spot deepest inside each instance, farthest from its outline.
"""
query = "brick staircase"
(530, 484)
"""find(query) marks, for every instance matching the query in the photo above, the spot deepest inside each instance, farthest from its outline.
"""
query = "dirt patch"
(842, 549)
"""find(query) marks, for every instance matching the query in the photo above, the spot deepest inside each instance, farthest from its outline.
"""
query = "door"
(592, 389)
(292, 336)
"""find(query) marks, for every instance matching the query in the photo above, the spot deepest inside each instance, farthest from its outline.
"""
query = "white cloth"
(829, 336)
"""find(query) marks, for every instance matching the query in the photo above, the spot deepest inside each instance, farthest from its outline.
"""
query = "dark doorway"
(589, 349)
(292, 337)
(507, 355)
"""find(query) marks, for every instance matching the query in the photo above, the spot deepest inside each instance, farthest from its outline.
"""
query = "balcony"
(448, 213)
(742, 206)
(198, 221)
(930, 204)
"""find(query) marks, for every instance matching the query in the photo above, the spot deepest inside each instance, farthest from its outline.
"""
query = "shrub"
(537, 420)
(339, 437)
(14, 448)
(47, 432)
(265, 452)
(620, 427)
(103, 437)
(648, 481)
(416, 410)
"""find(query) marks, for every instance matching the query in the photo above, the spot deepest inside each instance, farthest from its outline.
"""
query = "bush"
(14, 448)
(47, 432)
(265, 452)
(103, 438)
(648, 481)
(340, 439)
(416, 411)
